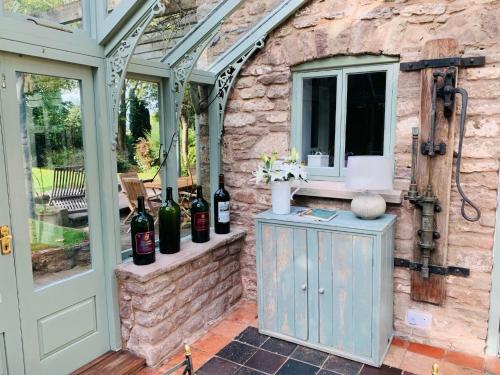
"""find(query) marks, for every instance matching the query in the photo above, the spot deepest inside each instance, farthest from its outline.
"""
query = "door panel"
(10, 330)
(269, 288)
(362, 297)
(58, 250)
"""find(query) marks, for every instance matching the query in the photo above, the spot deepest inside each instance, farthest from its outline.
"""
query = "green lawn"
(46, 236)
(43, 178)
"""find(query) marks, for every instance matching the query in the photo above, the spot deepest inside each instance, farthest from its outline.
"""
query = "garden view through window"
(141, 152)
(54, 163)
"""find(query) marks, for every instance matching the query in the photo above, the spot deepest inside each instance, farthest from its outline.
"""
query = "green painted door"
(51, 168)
(10, 330)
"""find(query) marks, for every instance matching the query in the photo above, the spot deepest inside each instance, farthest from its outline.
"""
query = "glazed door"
(11, 354)
(52, 177)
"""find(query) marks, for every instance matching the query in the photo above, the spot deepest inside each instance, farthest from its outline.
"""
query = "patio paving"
(234, 346)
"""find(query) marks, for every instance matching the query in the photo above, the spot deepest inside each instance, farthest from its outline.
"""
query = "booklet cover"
(317, 214)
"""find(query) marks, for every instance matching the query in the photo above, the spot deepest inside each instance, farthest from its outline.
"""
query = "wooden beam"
(439, 168)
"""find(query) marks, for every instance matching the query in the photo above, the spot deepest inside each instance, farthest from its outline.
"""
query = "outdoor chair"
(132, 203)
(68, 189)
(134, 188)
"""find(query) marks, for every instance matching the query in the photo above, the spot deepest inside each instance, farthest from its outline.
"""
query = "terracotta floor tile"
(417, 364)
(228, 328)
(429, 351)
(493, 365)
(395, 356)
(245, 312)
(211, 343)
(465, 360)
(447, 368)
(396, 341)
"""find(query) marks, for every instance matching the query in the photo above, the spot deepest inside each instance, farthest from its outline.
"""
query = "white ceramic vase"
(281, 197)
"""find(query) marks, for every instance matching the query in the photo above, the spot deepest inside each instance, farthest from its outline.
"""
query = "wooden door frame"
(493, 340)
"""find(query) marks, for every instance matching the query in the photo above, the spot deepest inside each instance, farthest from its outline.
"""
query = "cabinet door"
(283, 264)
(344, 267)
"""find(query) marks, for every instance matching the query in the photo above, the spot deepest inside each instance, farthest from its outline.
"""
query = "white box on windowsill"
(318, 160)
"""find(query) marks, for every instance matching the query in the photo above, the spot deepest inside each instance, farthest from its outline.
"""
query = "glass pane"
(54, 166)
(139, 152)
(66, 12)
(319, 107)
(365, 115)
(187, 180)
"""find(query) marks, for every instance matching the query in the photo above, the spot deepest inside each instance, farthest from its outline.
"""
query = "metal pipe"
(412, 194)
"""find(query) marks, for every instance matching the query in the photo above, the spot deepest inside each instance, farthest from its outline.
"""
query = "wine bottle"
(200, 218)
(169, 217)
(221, 209)
(142, 228)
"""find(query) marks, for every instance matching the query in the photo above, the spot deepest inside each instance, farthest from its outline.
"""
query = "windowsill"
(189, 251)
(338, 190)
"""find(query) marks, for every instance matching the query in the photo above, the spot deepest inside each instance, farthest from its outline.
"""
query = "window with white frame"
(342, 107)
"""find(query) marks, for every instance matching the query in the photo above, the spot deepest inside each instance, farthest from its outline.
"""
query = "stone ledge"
(338, 190)
(165, 263)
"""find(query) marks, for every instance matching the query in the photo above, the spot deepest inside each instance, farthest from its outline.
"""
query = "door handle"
(303, 287)
(5, 240)
(321, 291)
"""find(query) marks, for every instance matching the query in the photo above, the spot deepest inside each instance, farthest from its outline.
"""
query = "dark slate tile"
(237, 352)
(312, 356)
(326, 372)
(248, 371)
(279, 346)
(384, 370)
(218, 366)
(293, 367)
(265, 361)
(252, 336)
(342, 365)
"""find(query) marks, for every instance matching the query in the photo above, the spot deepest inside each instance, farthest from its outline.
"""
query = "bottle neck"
(170, 196)
(199, 192)
(140, 204)
(221, 181)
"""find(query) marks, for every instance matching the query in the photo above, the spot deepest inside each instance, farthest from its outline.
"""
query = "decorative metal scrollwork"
(182, 70)
(119, 58)
(225, 80)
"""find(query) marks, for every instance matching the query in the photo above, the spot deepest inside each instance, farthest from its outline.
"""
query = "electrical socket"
(419, 319)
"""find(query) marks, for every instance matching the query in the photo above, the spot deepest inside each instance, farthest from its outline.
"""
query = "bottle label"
(201, 221)
(145, 242)
(223, 212)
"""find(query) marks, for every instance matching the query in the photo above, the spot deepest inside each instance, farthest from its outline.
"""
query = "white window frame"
(341, 67)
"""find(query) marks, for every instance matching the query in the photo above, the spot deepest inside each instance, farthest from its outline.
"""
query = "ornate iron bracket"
(117, 61)
(182, 69)
(225, 80)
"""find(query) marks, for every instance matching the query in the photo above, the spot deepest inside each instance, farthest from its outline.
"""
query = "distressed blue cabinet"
(327, 285)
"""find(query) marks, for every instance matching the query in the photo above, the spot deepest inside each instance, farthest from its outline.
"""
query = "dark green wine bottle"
(142, 228)
(200, 218)
(169, 217)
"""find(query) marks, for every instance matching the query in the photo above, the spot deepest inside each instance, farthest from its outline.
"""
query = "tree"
(140, 122)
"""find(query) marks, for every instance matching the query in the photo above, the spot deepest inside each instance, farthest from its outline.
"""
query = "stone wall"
(174, 300)
(258, 120)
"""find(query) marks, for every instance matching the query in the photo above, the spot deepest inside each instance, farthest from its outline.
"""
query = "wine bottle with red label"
(221, 208)
(200, 218)
(142, 228)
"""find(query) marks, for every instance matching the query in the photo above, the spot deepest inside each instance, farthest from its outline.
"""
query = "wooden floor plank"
(116, 363)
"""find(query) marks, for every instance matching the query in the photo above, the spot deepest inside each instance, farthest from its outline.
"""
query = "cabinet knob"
(303, 287)
(321, 291)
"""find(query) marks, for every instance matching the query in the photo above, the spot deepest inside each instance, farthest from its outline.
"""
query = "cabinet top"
(343, 220)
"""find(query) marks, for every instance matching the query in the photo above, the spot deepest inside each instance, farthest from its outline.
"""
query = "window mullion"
(340, 141)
